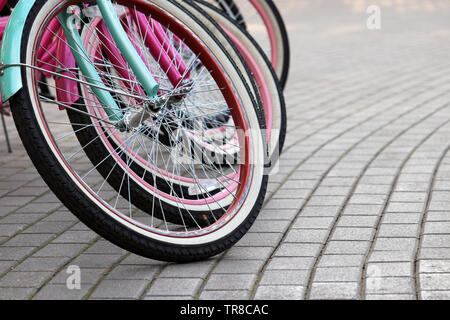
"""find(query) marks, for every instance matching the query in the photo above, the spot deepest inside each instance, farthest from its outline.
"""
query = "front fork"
(127, 50)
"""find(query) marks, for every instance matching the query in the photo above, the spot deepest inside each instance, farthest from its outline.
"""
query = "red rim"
(220, 79)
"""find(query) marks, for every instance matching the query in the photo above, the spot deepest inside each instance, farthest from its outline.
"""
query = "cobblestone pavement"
(359, 210)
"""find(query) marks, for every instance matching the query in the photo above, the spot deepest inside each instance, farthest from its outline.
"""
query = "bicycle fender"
(11, 78)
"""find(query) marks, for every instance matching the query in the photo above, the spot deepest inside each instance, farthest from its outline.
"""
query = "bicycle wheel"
(50, 139)
(273, 37)
(105, 150)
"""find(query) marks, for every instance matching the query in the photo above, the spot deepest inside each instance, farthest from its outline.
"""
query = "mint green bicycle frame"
(11, 78)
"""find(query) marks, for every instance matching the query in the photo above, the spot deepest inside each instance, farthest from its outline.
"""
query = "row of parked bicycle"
(156, 122)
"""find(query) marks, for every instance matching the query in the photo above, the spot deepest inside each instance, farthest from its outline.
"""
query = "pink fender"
(3, 22)
(157, 50)
(67, 91)
(113, 54)
(169, 48)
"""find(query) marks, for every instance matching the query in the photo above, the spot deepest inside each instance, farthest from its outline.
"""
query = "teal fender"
(11, 78)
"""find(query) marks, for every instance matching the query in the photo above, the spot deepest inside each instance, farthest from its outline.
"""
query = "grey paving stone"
(306, 236)
(48, 227)
(437, 228)
(390, 297)
(438, 216)
(15, 253)
(224, 295)
(15, 293)
(326, 200)
(76, 237)
(338, 181)
(434, 266)
(6, 266)
(284, 204)
(88, 277)
(270, 214)
(341, 260)
(372, 189)
(347, 247)
(120, 289)
(173, 287)
(48, 198)
(191, 270)
(16, 279)
(41, 264)
(439, 205)
(279, 293)
(168, 298)
(435, 295)
(330, 290)
(28, 240)
(290, 263)
(409, 197)
(286, 277)
(367, 199)
(262, 239)
(436, 241)
(352, 233)
(402, 218)
(269, 226)
(331, 191)
(4, 211)
(433, 282)
(395, 244)
(357, 221)
(93, 261)
(61, 215)
(313, 223)
(300, 184)
(39, 207)
(285, 193)
(133, 259)
(60, 250)
(230, 282)
(320, 211)
(337, 274)
(297, 250)
(61, 292)
(104, 247)
(8, 230)
(398, 230)
(130, 272)
(360, 209)
(21, 218)
(390, 285)
(434, 253)
(244, 253)
(405, 207)
(239, 266)
(14, 201)
(395, 269)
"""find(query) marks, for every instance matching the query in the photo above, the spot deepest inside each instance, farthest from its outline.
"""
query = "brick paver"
(359, 207)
